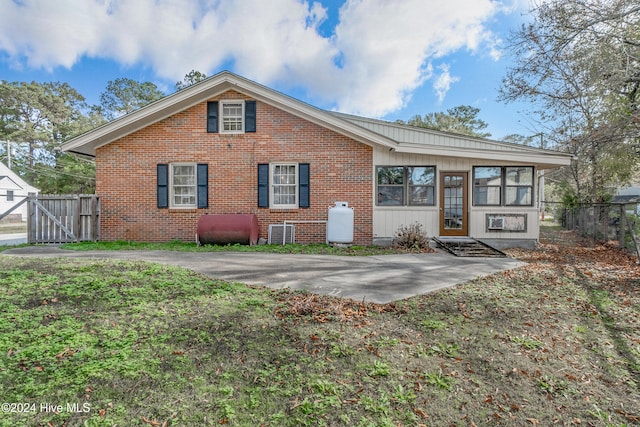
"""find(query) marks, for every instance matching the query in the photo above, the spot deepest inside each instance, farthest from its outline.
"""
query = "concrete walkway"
(378, 279)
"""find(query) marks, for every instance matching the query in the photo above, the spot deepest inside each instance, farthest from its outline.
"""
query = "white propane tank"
(340, 223)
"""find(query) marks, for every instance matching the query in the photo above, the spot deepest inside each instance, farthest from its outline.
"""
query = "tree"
(531, 140)
(462, 119)
(123, 96)
(38, 118)
(578, 63)
(191, 78)
(40, 115)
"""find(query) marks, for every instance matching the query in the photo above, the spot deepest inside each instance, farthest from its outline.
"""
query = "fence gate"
(63, 218)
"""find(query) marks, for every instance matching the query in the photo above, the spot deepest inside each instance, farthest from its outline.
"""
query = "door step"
(468, 247)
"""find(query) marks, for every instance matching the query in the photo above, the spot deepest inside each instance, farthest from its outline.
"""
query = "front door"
(453, 204)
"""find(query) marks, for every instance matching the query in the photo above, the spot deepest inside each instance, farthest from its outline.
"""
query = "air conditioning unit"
(278, 234)
(496, 223)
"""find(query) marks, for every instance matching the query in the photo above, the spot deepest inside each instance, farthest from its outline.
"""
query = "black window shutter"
(163, 185)
(249, 116)
(263, 185)
(303, 185)
(212, 116)
(202, 180)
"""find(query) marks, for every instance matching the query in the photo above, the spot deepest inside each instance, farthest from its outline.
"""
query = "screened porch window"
(503, 186)
(391, 186)
(487, 186)
(406, 185)
(519, 186)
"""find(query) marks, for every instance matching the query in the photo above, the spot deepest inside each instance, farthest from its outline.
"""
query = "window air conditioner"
(496, 223)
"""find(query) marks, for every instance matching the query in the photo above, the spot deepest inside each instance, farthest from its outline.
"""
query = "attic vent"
(276, 234)
(496, 223)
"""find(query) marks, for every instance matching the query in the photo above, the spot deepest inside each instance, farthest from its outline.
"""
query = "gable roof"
(8, 177)
(401, 138)
(6, 182)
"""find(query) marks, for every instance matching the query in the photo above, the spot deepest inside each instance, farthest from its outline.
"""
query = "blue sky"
(389, 59)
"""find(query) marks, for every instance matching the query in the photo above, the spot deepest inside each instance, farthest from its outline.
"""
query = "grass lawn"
(290, 248)
(104, 343)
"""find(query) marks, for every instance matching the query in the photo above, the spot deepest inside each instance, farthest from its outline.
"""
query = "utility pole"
(9, 154)
(9, 158)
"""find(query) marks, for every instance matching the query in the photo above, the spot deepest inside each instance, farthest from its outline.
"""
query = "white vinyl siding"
(388, 219)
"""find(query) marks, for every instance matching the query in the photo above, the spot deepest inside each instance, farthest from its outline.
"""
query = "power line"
(52, 173)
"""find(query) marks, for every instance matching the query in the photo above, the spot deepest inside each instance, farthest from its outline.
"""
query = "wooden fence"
(63, 218)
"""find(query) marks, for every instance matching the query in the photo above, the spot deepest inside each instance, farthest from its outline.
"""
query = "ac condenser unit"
(276, 234)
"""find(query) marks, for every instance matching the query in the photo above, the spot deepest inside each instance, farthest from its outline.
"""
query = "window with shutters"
(284, 185)
(183, 187)
(231, 116)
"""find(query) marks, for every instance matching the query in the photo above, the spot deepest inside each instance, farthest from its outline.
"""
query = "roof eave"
(542, 159)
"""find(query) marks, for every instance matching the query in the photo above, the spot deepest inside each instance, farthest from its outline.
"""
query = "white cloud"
(378, 55)
(387, 45)
(443, 83)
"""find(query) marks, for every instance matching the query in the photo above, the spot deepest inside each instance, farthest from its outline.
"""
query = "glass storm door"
(453, 204)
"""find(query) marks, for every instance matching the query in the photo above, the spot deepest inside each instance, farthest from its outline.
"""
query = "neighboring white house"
(630, 196)
(13, 190)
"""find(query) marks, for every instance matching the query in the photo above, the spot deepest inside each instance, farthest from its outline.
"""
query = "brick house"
(230, 145)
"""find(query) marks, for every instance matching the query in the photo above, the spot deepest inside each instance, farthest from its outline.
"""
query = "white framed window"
(284, 185)
(183, 185)
(232, 116)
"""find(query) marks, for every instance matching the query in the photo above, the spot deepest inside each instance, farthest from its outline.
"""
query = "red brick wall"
(341, 170)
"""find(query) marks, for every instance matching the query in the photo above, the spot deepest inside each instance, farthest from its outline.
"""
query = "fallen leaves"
(68, 351)
(324, 309)
(156, 423)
